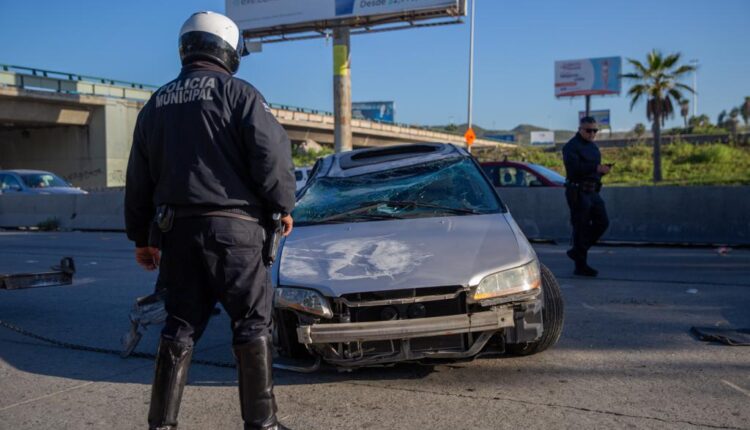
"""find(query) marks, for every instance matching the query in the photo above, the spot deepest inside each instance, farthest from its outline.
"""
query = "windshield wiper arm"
(360, 211)
(409, 203)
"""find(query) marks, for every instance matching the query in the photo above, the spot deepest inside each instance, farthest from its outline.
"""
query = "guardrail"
(30, 71)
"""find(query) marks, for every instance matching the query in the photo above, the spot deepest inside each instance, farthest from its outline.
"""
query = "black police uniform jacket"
(581, 159)
(206, 139)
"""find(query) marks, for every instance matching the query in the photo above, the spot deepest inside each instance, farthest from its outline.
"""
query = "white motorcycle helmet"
(214, 37)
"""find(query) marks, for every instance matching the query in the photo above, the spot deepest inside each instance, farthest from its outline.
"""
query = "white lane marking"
(83, 281)
(692, 291)
(740, 389)
(588, 306)
(32, 261)
(567, 286)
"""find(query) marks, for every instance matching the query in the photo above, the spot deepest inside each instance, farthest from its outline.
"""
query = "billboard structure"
(374, 111)
(588, 77)
(265, 21)
(278, 20)
(542, 138)
(601, 116)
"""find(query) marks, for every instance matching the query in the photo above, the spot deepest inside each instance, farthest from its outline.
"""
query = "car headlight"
(513, 281)
(303, 300)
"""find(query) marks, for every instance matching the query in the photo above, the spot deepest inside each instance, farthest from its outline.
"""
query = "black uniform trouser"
(210, 259)
(588, 216)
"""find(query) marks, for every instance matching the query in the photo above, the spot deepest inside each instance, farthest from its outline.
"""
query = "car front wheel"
(552, 317)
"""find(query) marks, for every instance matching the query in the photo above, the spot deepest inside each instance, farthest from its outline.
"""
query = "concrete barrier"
(675, 215)
(94, 211)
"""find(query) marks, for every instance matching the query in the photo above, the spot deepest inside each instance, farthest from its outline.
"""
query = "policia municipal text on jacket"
(211, 160)
(588, 215)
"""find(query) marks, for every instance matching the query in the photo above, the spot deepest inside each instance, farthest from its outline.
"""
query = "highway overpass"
(81, 127)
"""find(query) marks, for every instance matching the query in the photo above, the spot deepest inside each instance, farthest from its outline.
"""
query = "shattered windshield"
(440, 188)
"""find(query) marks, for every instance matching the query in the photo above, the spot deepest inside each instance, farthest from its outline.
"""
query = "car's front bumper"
(490, 320)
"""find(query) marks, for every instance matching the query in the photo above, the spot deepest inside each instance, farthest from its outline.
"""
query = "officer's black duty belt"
(192, 212)
(587, 186)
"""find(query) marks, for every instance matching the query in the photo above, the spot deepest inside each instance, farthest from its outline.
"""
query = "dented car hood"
(338, 259)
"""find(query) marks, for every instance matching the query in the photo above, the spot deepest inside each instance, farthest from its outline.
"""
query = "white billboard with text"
(266, 14)
(542, 138)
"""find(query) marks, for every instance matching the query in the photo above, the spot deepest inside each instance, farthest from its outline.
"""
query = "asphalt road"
(626, 358)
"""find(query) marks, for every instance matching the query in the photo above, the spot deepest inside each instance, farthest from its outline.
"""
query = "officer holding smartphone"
(588, 214)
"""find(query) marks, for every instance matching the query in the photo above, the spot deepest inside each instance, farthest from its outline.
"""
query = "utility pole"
(342, 90)
(694, 63)
(471, 69)
(588, 105)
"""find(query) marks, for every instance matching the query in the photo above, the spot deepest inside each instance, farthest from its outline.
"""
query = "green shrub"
(308, 159)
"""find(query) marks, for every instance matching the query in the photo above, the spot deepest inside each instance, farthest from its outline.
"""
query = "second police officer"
(211, 161)
(584, 172)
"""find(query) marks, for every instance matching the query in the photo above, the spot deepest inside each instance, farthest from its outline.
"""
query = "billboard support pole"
(588, 105)
(342, 90)
(471, 69)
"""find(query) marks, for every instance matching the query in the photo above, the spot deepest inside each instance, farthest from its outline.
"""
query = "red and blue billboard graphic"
(589, 77)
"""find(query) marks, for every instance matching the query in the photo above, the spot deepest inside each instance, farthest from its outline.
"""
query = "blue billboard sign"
(374, 111)
(501, 137)
(601, 117)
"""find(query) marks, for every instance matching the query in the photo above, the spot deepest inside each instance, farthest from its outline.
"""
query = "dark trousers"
(210, 259)
(588, 216)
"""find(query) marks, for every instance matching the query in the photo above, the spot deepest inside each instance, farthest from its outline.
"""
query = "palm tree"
(685, 110)
(745, 111)
(658, 82)
(721, 118)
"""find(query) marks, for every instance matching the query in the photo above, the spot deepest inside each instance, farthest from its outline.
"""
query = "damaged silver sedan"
(407, 253)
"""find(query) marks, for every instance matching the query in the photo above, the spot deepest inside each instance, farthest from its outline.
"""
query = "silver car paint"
(337, 259)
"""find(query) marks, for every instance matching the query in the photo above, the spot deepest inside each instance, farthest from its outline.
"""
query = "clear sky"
(425, 71)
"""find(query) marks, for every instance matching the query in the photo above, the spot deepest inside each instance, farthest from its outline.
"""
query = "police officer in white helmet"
(208, 163)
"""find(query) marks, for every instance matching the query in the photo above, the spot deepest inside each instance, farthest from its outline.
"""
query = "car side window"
(8, 182)
(508, 176)
(533, 180)
(524, 178)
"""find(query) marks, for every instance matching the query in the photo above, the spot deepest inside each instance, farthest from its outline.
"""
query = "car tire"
(552, 317)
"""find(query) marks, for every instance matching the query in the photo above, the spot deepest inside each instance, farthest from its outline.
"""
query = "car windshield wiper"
(359, 212)
(410, 203)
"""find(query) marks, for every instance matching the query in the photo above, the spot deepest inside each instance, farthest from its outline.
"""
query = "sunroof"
(390, 153)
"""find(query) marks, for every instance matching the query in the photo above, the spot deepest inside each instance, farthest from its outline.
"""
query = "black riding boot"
(172, 363)
(254, 366)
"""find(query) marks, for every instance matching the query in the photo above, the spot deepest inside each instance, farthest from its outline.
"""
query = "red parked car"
(521, 174)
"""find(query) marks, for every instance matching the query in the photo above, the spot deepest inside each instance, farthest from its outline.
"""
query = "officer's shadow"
(212, 363)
